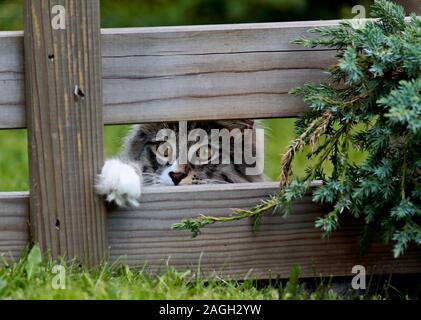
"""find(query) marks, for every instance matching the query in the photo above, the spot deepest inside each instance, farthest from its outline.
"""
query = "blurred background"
(139, 13)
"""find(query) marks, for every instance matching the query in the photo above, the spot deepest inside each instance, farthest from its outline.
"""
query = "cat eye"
(205, 154)
(162, 149)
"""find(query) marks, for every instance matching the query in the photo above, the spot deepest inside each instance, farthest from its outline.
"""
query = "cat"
(151, 158)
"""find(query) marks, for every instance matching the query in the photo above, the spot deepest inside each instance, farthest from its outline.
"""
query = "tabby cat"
(149, 159)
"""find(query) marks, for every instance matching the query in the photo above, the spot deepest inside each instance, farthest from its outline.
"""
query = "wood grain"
(410, 6)
(65, 129)
(14, 224)
(144, 237)
(12, 102)
(187, 73)
(206, 72)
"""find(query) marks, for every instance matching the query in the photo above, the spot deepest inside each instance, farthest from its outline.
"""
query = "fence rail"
(161, 74)
(144, 238)
(187, 73)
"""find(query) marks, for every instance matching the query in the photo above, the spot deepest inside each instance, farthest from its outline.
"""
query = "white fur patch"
(120, 183)
(164, 178)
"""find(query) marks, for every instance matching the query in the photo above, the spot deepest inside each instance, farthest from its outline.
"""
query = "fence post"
(65, 126)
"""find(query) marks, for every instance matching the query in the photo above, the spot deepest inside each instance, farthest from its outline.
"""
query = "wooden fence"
(148, 75)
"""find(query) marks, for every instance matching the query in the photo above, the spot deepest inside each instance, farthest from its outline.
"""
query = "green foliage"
(32, 278)
(142, 13)
(129, 13)
(33, 262)
(372, 102)
(13, 160)
(292, 287)
(11, 14)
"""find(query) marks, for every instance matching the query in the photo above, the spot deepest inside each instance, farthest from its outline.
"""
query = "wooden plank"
(14, 227)
(12, 102)
(215, 86)
(410, 6)
(207, 72)
(144, 237)
(65, 129)
(189, 73)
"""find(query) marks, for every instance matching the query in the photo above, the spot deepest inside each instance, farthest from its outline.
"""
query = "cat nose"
(176, 177)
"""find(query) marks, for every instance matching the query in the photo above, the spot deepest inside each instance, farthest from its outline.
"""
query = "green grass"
(13, 160)
(33, 278)
(120, 282)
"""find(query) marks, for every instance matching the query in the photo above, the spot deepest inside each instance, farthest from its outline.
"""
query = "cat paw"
(119, 183)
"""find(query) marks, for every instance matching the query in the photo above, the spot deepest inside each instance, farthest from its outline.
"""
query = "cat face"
(202, 152)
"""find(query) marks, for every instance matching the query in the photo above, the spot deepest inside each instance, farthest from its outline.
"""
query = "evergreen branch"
(195, 225)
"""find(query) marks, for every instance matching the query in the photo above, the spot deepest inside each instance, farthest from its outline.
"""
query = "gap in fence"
(278, 134)
(14, 153)
(14, 174)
